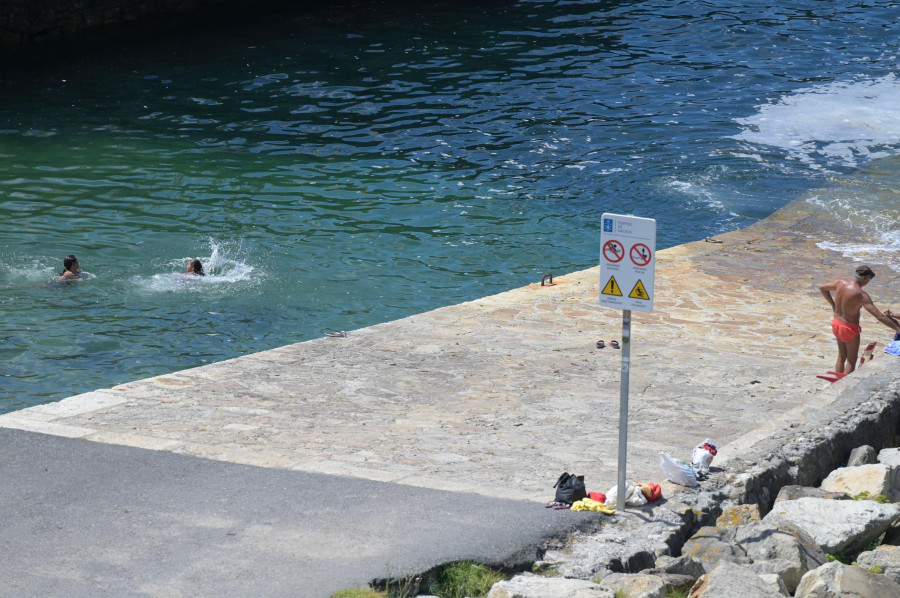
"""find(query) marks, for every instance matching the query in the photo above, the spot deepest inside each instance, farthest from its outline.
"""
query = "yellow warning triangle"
(639, 292)
(612, 288)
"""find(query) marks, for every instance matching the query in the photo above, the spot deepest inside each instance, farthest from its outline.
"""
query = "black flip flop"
(600, 344)
(614, 344)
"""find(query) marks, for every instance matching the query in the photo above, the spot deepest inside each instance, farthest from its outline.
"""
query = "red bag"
(598, 496)
(650, 491)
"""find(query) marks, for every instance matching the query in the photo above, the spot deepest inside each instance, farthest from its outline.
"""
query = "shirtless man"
(849, 298)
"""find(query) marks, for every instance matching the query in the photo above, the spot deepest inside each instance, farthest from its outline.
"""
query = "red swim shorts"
(843, 331)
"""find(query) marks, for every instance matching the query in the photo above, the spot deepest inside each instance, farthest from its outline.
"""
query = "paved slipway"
(325, 464)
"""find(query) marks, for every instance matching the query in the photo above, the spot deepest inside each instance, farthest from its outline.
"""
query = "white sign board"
(627, 262)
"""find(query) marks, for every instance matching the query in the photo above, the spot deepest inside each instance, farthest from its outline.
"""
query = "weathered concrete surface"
(498, 396)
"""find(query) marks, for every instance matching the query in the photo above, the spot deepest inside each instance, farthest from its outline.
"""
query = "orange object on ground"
(650, 491)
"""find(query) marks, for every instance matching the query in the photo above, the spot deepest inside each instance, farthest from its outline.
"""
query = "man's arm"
(886, 320)
(827, 289)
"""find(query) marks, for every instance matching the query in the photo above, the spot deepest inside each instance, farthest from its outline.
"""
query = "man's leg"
(852, 348)
(842, 356)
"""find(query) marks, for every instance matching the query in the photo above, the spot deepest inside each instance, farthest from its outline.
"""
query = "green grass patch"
(678, 592)
(864, 495)
(465, 579)
(544, 570)
(839, 557)
(358, 593)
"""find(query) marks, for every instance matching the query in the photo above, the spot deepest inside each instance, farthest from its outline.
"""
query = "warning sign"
(633, 237)
(639, 292)
(612, 288)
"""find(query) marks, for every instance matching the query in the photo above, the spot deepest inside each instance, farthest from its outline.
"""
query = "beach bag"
(633, 496)
(570, 488)
(677, 471)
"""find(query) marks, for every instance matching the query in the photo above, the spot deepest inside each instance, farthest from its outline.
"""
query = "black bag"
(570, 488)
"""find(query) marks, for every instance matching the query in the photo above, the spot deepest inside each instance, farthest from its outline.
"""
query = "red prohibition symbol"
(613, 251)
(640, 254)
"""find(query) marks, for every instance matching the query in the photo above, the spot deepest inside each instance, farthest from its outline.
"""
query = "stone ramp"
(498, 396)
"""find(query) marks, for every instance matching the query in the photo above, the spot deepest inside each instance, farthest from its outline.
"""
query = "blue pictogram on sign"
(607, 225)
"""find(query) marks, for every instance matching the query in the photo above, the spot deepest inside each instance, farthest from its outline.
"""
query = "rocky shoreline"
(776, 524)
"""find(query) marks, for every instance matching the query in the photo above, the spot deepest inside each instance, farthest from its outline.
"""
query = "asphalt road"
(80, 518)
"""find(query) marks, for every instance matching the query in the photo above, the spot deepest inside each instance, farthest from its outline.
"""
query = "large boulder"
(889, 456)
(838, 526)
(781, 547)
(636, 585)
(710, 545)
(738, 515)
(878, 478)
(862, 455)
(795, 492)
(837, 580)
(536, 586)
(886, 557)
(729, 580)
(682, 566)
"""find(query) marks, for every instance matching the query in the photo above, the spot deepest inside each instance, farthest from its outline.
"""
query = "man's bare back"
(847, 301)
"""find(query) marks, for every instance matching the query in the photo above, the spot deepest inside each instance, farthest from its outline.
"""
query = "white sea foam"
(224, 268)
(844, 122)
(697, 190)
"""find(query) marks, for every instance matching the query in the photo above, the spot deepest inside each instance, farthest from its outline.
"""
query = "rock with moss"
(738, 515)
(878, 478)
(885, 557)
(711, 545)
(837, 579)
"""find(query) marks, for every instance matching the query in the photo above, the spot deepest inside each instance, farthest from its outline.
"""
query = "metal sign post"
(635, 239)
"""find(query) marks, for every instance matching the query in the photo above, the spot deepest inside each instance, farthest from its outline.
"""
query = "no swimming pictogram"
(613, 251)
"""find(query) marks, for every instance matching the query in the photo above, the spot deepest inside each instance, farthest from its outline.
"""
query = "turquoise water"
(338, 168)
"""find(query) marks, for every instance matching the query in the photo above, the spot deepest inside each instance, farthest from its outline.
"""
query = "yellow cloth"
(589, 504)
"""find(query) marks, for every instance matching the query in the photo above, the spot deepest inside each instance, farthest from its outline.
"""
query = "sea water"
(338, 167)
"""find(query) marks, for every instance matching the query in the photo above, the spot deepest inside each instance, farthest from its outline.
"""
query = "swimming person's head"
(70, 263)
(195, 267)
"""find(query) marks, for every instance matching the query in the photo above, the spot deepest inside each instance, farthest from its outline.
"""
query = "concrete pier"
(500, 395)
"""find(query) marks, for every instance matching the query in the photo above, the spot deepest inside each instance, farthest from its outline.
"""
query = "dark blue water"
(339, 167)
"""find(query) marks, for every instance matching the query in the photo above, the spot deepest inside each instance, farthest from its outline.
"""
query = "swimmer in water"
(72, 269)
(195, 267)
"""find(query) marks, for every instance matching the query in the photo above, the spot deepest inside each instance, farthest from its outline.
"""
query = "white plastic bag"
(633, 496)
(677, 471)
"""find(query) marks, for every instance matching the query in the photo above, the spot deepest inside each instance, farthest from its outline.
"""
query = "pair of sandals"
(558, 506)
(613, 344)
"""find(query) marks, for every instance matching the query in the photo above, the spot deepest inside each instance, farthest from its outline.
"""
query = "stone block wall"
(26, 21)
